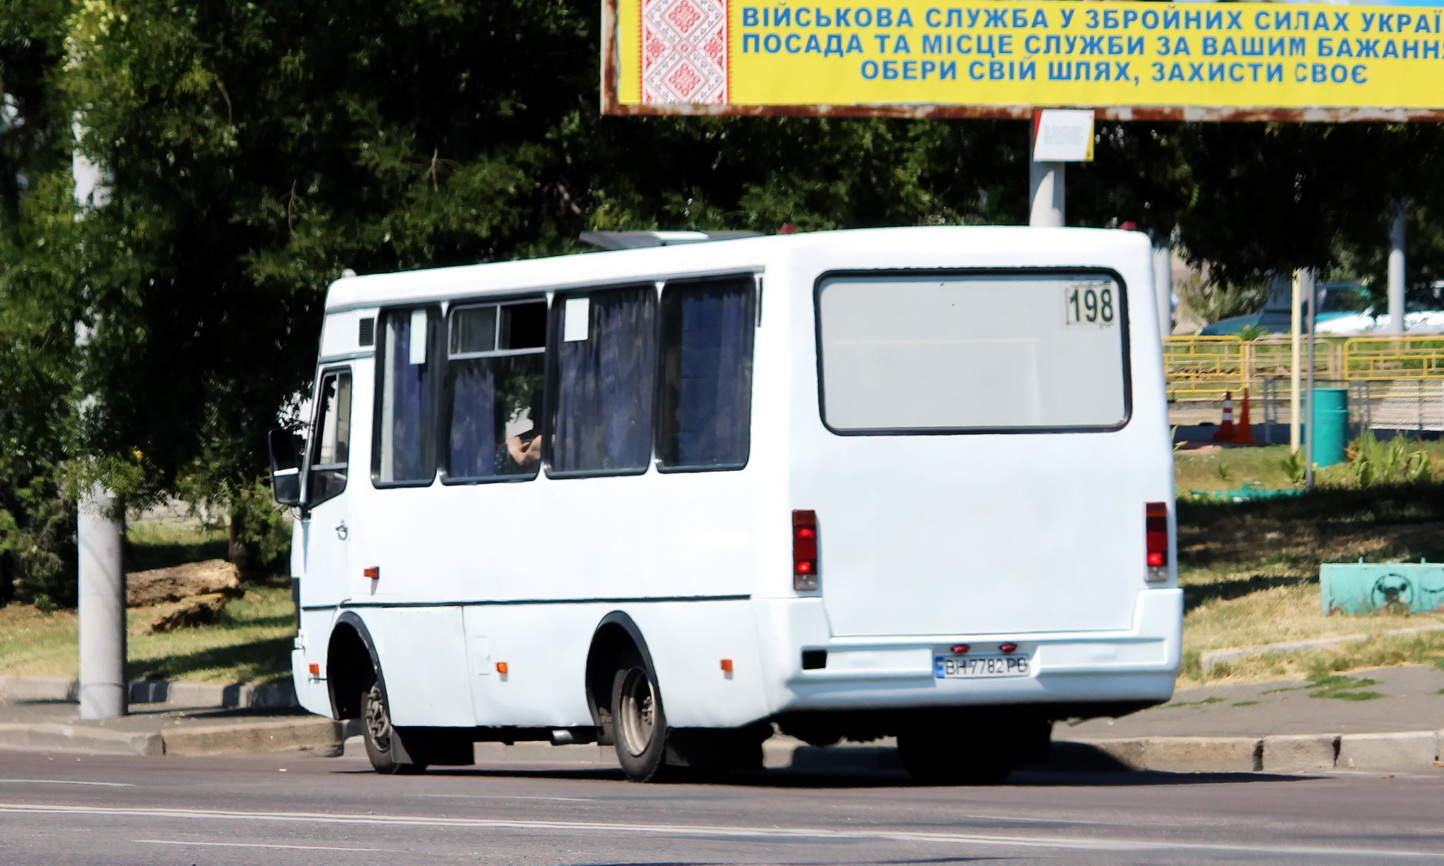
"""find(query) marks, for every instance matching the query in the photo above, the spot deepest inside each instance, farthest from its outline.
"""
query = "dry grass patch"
(251, 642)
(1250, 575)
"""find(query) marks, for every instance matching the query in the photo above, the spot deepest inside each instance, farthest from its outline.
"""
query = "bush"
(37, 544)
(1387, 463)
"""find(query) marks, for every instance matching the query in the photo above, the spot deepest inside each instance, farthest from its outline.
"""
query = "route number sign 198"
(1090, 304)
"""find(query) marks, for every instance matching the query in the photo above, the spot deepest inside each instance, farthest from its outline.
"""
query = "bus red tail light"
(1155, 530)
(804, 551)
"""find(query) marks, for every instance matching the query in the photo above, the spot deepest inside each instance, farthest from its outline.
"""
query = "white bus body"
(968, 423)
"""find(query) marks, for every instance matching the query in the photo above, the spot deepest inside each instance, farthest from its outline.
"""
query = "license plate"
(977, 667)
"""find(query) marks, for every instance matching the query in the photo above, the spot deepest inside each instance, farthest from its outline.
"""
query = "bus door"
(325, 528)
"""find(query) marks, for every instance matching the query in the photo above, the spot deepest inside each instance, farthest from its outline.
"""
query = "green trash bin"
(1331, 425)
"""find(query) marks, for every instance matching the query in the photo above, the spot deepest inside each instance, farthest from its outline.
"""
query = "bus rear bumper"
(1134, 667)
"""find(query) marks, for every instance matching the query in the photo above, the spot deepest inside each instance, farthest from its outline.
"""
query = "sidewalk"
(1394, 725)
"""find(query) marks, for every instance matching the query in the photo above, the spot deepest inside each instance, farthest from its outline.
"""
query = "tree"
(258, 151)
(36, 310)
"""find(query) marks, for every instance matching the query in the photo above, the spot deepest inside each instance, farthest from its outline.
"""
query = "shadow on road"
(842, 779)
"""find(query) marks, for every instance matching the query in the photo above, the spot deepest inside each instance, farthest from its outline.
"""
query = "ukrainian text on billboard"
(1029, 52)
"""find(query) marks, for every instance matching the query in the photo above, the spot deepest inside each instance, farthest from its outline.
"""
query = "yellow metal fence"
(1205, 369)
(1375, 359)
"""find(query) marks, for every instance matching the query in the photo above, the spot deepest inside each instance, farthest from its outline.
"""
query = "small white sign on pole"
(1063, 135)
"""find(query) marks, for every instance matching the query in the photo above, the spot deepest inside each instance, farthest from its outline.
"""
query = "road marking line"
(573, 827)
(250, 845)
(505, 797)
(65, 782)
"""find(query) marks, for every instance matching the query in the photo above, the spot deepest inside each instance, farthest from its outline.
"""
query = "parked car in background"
(1342, 310)
(1339, 308)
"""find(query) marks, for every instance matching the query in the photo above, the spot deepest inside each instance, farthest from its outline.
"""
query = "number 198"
(1091, 305)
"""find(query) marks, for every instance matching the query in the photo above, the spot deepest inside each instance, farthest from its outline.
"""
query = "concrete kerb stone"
(1099, 755)
(63, 737)
(1388, 752)
(39, 689)
(230, 696)
(1211, 658)
(1203, 754)
(282, 735)
(1299, 753)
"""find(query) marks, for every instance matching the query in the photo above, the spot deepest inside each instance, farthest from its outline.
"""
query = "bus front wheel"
(380, 735)
(640, 724)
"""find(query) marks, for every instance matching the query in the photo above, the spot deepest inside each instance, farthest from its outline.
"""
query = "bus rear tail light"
(1155, 530)
(804, 551)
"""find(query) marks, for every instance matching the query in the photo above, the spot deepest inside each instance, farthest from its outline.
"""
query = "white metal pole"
(99, 532)
(102, 608)
(1294, 391)
(1163, 284)
(1396, 271)
(1046, 188)
(1311, 297)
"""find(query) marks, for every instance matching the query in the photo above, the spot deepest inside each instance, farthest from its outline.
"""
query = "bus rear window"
(980, 351)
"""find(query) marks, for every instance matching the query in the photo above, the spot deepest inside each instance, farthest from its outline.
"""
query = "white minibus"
(904, 482)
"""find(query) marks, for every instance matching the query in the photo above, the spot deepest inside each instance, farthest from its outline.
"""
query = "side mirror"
(285, 448)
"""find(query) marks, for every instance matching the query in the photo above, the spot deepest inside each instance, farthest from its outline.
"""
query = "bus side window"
(405, 449)
(605, 369)
(495, 376)
(331, 446)
(704, 417)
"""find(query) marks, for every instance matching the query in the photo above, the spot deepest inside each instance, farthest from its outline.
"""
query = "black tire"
(937, 756)
(638, 721)
(379, 734)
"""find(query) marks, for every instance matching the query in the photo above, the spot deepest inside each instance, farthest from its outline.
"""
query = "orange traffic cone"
(1244, 434)
(1225, 431)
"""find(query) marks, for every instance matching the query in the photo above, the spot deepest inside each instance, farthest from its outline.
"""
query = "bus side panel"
(527, 663)
(691, 645)
(420, 650)
(313, 693)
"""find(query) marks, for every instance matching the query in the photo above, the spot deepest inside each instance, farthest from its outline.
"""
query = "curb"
(1378, 752)
(314, 733)
(1211, 658)
(51, 736)
(1291, 753)
(232, 696)
(1309, 753)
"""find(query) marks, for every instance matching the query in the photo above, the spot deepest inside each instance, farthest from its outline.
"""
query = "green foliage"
(1391, 462)
(262, 529)
(37, 311)
(1211, 301)
(1343, 688)
(1295, 466)
(257, 151)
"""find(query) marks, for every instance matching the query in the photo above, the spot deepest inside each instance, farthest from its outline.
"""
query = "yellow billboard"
(1006, 57)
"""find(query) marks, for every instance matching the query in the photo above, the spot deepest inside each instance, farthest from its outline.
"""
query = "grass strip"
(250, 642)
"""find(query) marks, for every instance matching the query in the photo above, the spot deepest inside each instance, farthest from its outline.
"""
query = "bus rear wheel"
(640, 724)
(380, 735)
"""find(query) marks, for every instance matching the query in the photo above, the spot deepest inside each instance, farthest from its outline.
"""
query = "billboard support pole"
(1310, 294)
(1046, 187)
(99, 530)
(1396, 270)
(1296, 307)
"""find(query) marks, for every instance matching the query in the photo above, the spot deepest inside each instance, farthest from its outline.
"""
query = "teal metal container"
(1349, 587)
(1331, 425)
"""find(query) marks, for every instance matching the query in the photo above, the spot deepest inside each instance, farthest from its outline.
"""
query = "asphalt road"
(301, 809)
